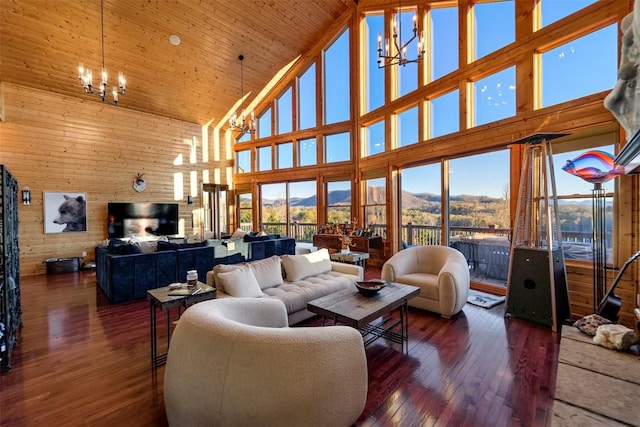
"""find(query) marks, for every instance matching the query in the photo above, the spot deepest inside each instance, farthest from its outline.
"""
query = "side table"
(357, 258)
(159, 298)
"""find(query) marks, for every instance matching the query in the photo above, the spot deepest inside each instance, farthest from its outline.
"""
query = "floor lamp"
(596, 167)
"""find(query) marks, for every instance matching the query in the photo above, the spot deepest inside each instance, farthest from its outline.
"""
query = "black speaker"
(535, 284)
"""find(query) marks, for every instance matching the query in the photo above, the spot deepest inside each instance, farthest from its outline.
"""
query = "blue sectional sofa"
(125, 273)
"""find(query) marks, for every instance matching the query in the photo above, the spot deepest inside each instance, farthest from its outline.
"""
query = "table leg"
(152, 317)
(404, 325)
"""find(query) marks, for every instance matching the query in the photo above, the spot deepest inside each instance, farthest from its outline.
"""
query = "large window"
(307, 152)
(243, 161)
(444, 114)
(285, 112)
(421, 205)
(495, 97)
(339, 202)
(495, 26)
(307, 99)
(337, 147)
(374, 138)
(374, 77)
(443, 42)
(375, 213)
(407, 127)
(479, 220)
(573, 62)
(336, 81)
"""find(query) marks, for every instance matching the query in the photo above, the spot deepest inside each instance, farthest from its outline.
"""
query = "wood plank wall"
(55, 143)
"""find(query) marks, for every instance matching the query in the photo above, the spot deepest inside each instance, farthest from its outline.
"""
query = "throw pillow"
(222, 268)
(147, 247)
(238, 233)
(297, 267)
(589, 324)
(240, 283)
(127, 249)
(268, 271)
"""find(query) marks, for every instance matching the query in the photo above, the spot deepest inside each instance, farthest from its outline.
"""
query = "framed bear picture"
(65, 212)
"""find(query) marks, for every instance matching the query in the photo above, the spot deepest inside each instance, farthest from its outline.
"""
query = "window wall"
(289, 209)
(339, 202)
(461, 100)
(245, 211)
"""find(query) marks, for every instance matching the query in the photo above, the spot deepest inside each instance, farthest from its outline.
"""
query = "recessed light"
(174, 40)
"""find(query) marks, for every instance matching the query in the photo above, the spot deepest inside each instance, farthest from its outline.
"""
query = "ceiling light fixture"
(86, 75)
(399, 56)
(242, 125)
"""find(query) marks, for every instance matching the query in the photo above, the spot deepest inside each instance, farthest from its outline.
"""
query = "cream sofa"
(441, 273)
(235, 362)
(293, 279)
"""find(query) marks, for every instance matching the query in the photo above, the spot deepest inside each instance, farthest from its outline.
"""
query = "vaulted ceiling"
(42, 42)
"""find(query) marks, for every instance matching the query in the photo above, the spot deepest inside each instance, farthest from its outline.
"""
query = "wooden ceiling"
(42, 42)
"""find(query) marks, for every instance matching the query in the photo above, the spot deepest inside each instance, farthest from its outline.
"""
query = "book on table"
(184, 291)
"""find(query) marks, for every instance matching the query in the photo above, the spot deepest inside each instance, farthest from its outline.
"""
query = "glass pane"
(245, 212)
(494, 26)
(307, 154)
(554, 10)
(273, 207)
(307, 99)
(376, 191)
(303, 210)
(570, 71)
(339, 202)
(336, 80)
(285, 112)
(285, 155)
(408, 74)
(374, 138)
(495, 97)
(421, 205)
(479, 214)
(407, 127)
(243, 161)
(375, 208)
(264, 124)
(337, 147)
(244, 137)
(445, 114)
(264, 158)
(374, 92)
(443, 43)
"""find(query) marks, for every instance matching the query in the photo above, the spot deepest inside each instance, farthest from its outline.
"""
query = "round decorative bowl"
(369, 289)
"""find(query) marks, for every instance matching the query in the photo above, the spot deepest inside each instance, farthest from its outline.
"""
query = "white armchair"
(441, 272)
(235, 362)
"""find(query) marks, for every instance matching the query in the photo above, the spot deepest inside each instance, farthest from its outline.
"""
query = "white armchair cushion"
(297, 267)
(240, 283)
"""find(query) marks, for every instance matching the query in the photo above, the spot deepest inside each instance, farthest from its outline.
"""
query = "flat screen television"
(142, 219)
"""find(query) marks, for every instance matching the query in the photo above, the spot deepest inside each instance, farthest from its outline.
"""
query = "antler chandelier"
(86, 75)
(399, 56)
(242, 124)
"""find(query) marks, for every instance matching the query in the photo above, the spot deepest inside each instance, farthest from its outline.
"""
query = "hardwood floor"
(83, 361)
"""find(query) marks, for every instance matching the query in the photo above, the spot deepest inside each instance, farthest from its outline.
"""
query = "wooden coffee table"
(371, 316)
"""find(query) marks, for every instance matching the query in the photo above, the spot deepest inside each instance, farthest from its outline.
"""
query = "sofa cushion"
(222, 268)
(126, 249)
(238, 233)
(298, 267)
(296, 295)
(268, 271)
(240, 283)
